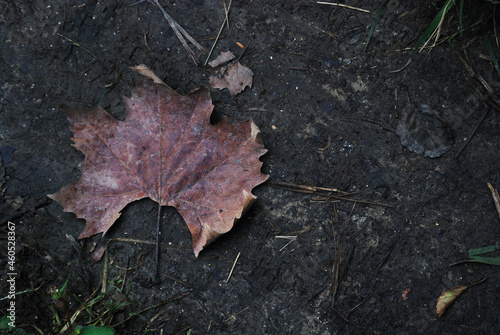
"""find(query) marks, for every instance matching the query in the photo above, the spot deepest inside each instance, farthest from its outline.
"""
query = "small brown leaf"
(235, 78)
(224, 57)
(447, 297)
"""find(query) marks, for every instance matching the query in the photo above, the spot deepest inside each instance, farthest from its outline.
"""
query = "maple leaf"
(166, 150)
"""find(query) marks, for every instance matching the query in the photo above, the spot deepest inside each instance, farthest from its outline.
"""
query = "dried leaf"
(146, 72)
(405, 292)
(224, 57)
(235, 78)
(423, 131)
(447, 297)
(166, 150)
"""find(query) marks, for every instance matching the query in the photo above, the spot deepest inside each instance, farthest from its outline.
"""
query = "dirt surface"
(316, 95)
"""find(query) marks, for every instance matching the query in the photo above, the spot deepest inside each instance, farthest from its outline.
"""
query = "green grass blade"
(484, 250)
(486, 260)
(487, 43)
(375, 22)
(447, 6)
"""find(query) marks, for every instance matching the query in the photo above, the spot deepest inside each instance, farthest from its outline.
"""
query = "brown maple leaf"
(235, 78)
(166, 150)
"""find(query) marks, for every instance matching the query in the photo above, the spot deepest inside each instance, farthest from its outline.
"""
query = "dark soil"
(327, 109)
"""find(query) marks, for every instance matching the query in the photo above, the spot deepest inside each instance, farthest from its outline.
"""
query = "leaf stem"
(156, 278)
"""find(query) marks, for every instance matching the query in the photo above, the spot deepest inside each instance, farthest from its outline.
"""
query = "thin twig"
(78, 45)
(337, 259)
(340, 314)
(226, 10)
(307, 189)
(226, 19)
(177, 280)
(125, 275)
(232, 268)
(384, 126)
(325, 32)
(473, 132)
(401, 69)
(344, 6)
(105, 270)
(290, 238)
(360, 303)
(234, 315)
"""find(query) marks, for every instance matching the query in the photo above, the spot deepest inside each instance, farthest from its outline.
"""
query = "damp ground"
(328, 108)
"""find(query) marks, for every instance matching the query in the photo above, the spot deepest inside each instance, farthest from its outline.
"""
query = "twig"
(290, 238)
(325, 32)
(301, 231)
(105, 270)
(360, 303)
(226, 10)
(401, 69)
(317, 190)
(133, 240)
(226, 19)
(305, 188)
(125, 275)
(337, 259)
(472, 133)
(340, 314)
(386, 127)
(496, 198)
(77, 44)
(344, 6)
(232, 268)
(178, 280)
(179, 32)
(234, 315)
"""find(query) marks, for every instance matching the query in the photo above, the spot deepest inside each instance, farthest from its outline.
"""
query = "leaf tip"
(145, 71)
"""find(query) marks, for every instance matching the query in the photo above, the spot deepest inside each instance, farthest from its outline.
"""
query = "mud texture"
(328, 111)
